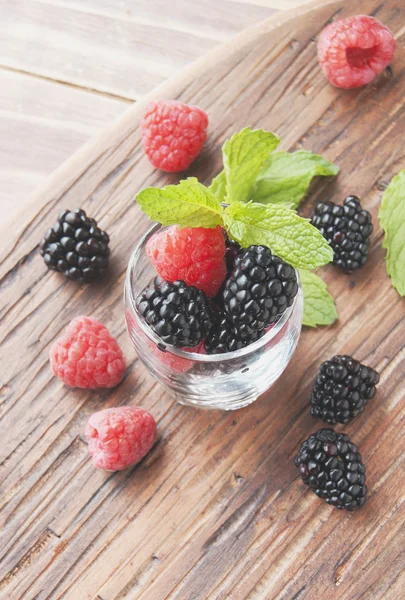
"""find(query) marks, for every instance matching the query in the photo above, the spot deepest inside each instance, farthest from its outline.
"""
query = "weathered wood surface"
(216, 511)
(67, 68)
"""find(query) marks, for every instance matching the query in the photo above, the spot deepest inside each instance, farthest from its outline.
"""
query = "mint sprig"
(288, 235)
(252, 169)
(319, 306)
(218, 186)
(189, 204)
(286, 176)
(243, 156)
(392, 219)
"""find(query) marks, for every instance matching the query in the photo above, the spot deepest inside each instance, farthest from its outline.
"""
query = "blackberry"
(179, 314)
(226, 337)
(76, 247)
(347, 229)
(259, 290)
(232, 250)
(342, 389)
(330, 464)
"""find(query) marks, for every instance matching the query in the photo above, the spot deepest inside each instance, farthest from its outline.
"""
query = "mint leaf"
(243, 156)
(218, 186)
(188, 204)
(285, 177)
(392, 219)
(319, 306)
(288, 235)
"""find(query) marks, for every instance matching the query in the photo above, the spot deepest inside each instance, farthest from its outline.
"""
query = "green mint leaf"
(288, 235)
(319, 306)
(286, 176)
(188, 204)
(243, 156)
(218, 186)
(392, 220)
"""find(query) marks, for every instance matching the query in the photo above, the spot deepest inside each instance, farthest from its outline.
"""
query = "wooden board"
(216, 511)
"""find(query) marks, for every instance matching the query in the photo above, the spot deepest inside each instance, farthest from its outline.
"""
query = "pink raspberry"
(87, 356)
(195, 255)
(120, 437)
(173, 134)
(353, 51)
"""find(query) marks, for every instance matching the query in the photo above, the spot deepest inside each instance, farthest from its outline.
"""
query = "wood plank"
(216, 20)
(41, 124)
(216, 510)
(132, 57)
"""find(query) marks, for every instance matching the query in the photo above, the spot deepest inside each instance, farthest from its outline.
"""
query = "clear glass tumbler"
(222, 381)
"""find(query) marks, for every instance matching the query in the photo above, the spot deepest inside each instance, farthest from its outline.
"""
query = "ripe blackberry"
(259, 290)
(330, 464)
(232, 250)
(76, 247)
(226, 337)
(179, 314)
(342, 389)
(347, 229)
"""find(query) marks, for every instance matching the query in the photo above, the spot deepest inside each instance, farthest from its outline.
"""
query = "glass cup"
(221, 381)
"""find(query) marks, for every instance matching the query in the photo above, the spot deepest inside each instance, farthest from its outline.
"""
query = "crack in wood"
(90, 90)
(44, 539)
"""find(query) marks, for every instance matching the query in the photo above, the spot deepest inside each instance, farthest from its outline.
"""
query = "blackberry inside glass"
(224, 336)
(181, 315)
(259, 290)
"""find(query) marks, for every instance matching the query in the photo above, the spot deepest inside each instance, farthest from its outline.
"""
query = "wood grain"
(41, 124)
(216, 510)
(132, 54)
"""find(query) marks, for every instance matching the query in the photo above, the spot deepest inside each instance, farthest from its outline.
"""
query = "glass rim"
(195, 356)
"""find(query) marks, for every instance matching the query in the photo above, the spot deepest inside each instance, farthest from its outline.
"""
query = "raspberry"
(353, 51)
(330, 464)
(120, 437)
(194, 255)
(173, 134)
(87, 356)
(347, 229)
(342, 389)
(76, 247)
(179, 314)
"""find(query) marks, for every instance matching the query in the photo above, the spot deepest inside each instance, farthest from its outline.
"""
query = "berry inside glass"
(194, 364)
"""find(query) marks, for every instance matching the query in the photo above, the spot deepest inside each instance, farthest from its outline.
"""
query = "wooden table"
(68, 68)
(216, 511)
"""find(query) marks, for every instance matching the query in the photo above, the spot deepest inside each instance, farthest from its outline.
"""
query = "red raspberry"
(87, 356)
(173, 134)
(194, 255)
(353, 51)
(120, 437)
